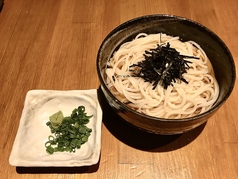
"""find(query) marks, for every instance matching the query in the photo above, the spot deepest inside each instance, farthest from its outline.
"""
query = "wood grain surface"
(53, 44)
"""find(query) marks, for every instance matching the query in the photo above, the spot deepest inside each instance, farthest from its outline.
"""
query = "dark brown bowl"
(186, 29)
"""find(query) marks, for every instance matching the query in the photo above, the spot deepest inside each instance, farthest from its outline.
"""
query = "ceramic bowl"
(186, 29)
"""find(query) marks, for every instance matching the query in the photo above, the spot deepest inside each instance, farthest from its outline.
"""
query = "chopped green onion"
(68, 133)
(50, 150)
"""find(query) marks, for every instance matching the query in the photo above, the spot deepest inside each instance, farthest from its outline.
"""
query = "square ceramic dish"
(29, 145)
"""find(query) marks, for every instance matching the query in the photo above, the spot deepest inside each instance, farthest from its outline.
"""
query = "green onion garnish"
(68, 133)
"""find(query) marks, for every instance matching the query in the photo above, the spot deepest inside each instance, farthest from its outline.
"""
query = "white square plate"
(29, 145)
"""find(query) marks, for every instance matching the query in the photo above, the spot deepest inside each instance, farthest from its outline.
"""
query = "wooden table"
(53, 44)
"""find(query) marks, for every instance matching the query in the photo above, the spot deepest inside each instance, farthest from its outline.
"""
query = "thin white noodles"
(178, 101)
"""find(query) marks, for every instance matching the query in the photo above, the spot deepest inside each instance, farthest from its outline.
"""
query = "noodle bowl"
(179, 100)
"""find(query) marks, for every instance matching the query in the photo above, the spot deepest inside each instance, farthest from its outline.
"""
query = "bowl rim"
(177, 18)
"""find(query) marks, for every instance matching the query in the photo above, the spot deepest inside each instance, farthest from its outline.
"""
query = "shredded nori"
(162, 65)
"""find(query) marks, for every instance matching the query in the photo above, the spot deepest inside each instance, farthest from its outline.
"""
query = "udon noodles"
(179, 100)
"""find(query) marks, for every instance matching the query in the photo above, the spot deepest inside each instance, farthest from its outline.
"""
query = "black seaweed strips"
(162, 65)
